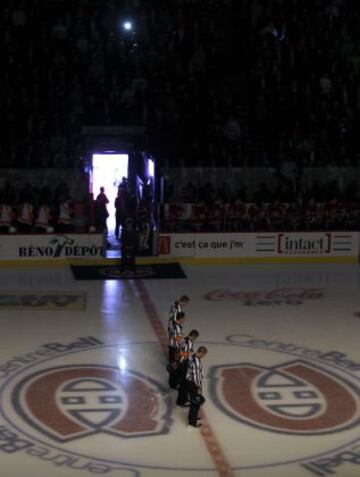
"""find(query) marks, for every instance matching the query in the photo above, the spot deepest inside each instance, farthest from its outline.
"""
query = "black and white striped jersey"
(177, 336)
(186, 349)
(175, 309)
(194, 371)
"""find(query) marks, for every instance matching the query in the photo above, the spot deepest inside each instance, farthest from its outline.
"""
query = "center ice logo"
(71, 402)
(294, 398)
(62, 404)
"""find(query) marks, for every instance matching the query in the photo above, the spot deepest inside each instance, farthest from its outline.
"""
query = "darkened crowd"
(45, 210)
(229, 82)
(40, 209)
(224, 83)
(209, 208)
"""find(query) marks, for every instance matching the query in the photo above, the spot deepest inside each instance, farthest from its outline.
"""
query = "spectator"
(26, 216)
(6, 216)
(43, 219)
(120, 209)
(129, 244)
(64, 220)
(101, 212)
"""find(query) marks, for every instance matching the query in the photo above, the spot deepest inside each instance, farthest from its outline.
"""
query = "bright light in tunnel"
(151, 168)
(108, 170)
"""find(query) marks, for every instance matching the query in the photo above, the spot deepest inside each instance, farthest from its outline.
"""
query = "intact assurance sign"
(300, 244)
(54, 246)
(276, 244)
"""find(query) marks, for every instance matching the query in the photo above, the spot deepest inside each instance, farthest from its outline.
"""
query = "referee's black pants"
(172, 355)
(183, 395)
(192, 389)
(173, 368)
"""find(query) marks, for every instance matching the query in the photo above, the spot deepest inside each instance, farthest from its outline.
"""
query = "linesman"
(186, 353)
(175, 340)
(176, 307)
(194, 384)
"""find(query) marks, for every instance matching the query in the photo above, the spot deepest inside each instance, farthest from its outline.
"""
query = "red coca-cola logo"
(297, 293)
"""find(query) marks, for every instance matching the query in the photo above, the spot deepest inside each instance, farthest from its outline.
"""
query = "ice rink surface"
(83, 382)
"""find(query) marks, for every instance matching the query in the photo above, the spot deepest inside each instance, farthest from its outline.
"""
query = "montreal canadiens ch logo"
(293, 398)
(71, 402)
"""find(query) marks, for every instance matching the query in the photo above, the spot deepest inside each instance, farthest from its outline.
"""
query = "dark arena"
(179, 238)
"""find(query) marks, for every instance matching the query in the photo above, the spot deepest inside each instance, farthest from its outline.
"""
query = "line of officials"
(185, 366)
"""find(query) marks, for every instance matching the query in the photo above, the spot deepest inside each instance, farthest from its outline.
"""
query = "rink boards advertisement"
(259, 245)
(51, 246)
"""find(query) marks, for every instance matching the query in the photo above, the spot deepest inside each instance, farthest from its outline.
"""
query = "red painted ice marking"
(42, 402)
(340, 404)
(211, 442)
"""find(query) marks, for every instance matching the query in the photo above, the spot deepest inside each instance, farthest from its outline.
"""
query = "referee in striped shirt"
(176, 307)
(175, 340)
(194, 383)
(186, 353)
